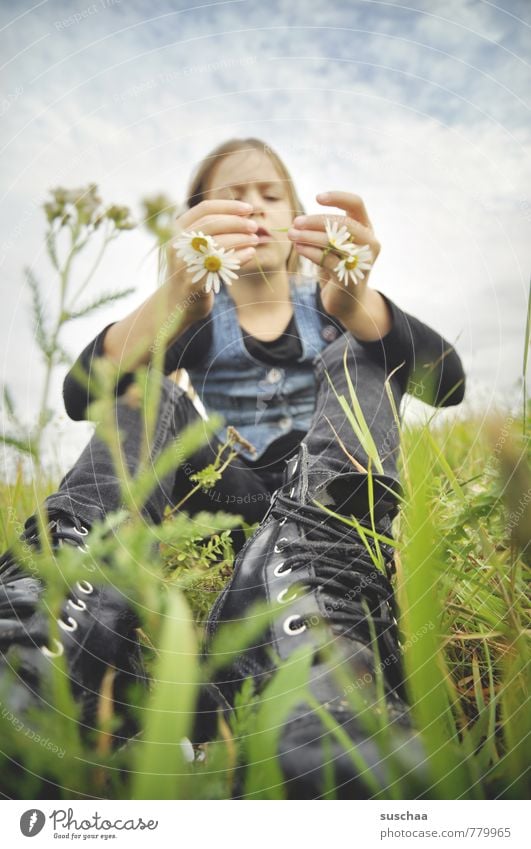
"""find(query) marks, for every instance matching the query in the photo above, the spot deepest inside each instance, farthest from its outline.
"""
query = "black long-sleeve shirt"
(429, 367)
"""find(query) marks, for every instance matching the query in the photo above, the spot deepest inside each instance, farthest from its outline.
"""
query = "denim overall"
(262, 401)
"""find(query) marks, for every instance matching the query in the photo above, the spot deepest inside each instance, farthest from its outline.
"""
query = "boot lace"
(343, 574)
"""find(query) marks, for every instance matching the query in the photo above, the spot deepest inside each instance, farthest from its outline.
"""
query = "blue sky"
(422, 108)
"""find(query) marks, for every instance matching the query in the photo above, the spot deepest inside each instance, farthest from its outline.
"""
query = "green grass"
(462, 583)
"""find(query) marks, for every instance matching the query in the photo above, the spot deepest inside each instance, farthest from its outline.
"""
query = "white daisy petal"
(228, 273)
(346, 270)
(338, 234)
(201, 273)
(233, 266)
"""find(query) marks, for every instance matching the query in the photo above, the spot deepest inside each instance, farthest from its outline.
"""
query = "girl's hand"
(309, 235)
(229, 223)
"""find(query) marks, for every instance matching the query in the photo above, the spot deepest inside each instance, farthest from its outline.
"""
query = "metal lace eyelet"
(292, 491)
(278, 571)
(78, 604)
(284, 598)
(276, 549)
(282, 522)
(57, 653)
(85, 587)
(69, 625)
(287, 626)
(187, 750)
(82, 530)
(295, 467)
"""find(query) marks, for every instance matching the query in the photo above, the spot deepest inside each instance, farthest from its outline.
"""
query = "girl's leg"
(330, 426)
(91, 489)
(97, 624)
(337, 596)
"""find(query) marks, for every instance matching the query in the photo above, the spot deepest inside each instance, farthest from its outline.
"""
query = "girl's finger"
(236, 240)
(245, 254)
(308, 237)
(317, 222)
(242, 254)
(317, 239)
(233, 240)
(359, 235)
(213, 207)
(351, 203)
(213, 225)
(328, 263)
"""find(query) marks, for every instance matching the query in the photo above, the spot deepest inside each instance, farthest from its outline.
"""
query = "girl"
(263, 352)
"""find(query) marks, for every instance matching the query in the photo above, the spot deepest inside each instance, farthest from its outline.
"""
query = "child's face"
(251, 176)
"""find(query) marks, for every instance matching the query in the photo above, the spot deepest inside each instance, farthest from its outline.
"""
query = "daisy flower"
(338, 235)
(192, 244)
(217, 264)
(354, 266)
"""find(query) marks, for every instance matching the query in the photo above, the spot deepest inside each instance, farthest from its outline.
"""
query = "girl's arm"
(428, 365)
(79, 387)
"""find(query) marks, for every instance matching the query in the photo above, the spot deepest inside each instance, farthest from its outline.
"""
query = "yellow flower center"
(212, 263)
(351, 263)
(198, 242)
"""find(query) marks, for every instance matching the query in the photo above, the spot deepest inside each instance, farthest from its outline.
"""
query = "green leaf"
(367, 441)
(264, 779)
(61, 357)
(356, 418)
(50, 247)
(161, 771)
(38, 314)
(9, 405)
(102, 301)
(421, 609)
(24, 446)
(188, 441)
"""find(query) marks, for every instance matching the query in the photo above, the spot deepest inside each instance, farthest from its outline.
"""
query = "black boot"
(322, 570)
(97, 631)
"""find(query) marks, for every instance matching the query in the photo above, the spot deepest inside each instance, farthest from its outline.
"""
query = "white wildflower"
(354, 266)
(338, 235)
(218, 265)
(192, 244)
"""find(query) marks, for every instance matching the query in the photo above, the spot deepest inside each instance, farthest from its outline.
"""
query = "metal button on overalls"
(274, 375)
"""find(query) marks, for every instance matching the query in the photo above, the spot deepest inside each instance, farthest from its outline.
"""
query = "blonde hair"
(197, 188)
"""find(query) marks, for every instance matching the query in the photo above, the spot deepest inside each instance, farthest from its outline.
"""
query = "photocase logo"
(32, 822)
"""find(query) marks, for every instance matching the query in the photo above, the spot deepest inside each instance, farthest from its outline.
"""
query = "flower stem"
(107, 238)
(262, 272)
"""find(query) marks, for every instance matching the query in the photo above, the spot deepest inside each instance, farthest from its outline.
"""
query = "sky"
(420, 107)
